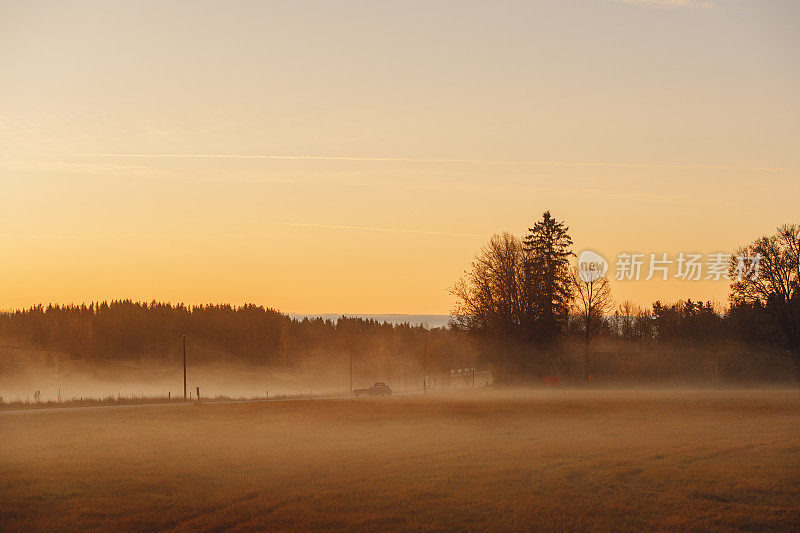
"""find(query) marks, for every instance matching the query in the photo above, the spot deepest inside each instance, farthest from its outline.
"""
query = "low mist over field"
(621, 460)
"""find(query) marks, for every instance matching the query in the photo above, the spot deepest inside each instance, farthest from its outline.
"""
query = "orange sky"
(394, 139)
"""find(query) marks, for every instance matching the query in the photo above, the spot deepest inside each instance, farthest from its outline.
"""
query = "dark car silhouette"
(379, 388)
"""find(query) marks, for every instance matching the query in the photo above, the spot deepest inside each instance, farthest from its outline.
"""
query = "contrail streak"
(368, 228)
(437, 160)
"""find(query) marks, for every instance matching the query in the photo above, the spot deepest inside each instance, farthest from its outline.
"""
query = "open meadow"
(493, 460)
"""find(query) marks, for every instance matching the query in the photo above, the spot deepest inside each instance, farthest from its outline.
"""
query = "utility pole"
(184, 368)
(351, 369)
(473, 377)
(425, 359)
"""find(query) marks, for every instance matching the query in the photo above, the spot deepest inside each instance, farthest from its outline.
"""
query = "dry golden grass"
(526, 460)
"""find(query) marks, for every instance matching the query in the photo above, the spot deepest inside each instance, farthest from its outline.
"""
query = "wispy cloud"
(434, 160)
(370, 228)
(685, 4)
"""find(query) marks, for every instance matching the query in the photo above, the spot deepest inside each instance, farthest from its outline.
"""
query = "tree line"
(136, 332)
(523, 310)
(531, 313)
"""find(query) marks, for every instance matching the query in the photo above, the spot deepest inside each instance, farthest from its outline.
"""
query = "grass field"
(525, 460)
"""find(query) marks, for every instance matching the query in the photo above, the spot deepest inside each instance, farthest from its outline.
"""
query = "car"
(379, 388)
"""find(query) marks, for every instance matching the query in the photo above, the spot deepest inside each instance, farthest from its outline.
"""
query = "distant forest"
(687, 341)
(522, 312)
(152, 333)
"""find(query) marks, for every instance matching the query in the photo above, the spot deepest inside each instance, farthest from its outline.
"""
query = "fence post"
(184, 367)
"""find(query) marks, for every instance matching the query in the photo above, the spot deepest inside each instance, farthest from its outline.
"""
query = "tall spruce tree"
(548, 249)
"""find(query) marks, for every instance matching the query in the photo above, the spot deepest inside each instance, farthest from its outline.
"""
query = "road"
(31, 410)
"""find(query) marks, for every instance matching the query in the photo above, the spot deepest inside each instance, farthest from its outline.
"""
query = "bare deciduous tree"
(515, 298)
(766, 275)
(490, 300)
(592, 301)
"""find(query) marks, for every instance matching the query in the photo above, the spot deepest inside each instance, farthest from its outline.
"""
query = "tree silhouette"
(592, 301)
(766, 275)
(548, 281)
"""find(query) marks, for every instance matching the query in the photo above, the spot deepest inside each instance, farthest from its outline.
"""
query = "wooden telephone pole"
(184, 367)
(351, 369)
(425, 358)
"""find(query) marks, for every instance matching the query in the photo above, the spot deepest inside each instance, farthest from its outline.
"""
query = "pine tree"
(548, 247)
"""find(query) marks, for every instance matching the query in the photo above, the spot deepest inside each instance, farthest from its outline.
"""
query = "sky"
(353, 157)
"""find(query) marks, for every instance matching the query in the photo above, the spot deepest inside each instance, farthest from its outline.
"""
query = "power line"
(154, 345)
(246, 354)
(76, 350)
